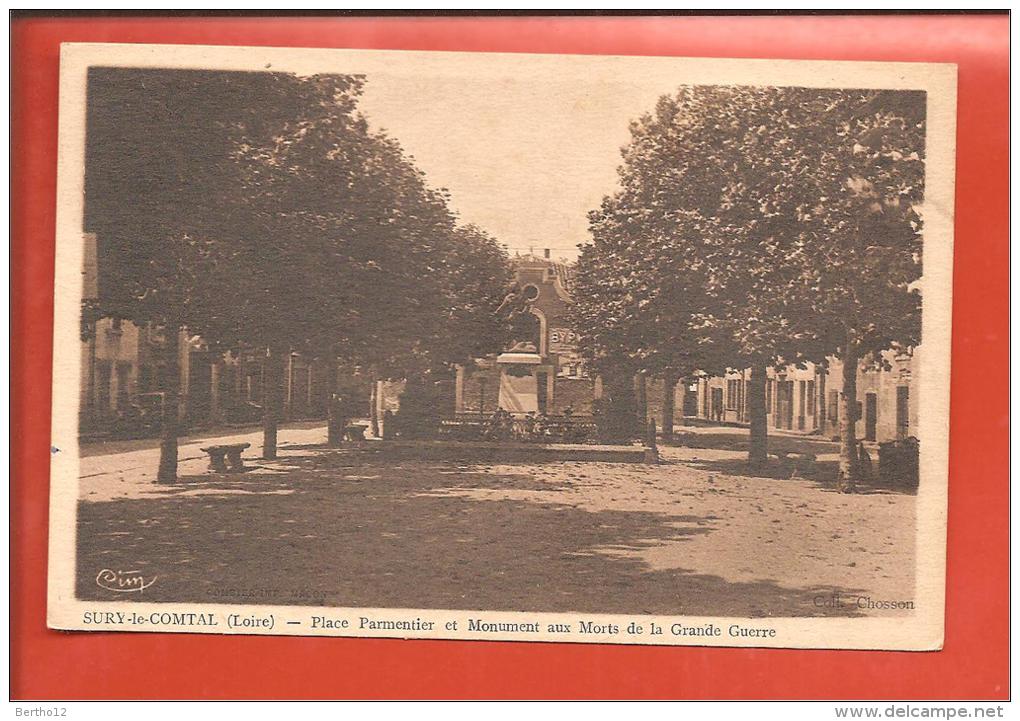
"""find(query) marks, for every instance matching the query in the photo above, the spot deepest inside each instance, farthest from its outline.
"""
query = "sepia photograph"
(527, 347)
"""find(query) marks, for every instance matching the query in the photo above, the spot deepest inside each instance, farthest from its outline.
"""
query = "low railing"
(532, 429)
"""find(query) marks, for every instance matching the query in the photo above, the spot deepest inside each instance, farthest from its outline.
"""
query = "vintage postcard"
(517, 347)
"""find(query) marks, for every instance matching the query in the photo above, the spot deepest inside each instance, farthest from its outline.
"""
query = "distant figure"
(864, 461)
(541, 427)
(499, 425)
(528, 426)
(490, 431)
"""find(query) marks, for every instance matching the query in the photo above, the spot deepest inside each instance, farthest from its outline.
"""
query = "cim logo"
(123, 581)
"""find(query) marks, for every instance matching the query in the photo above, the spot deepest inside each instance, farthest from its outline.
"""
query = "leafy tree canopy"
(259, 208)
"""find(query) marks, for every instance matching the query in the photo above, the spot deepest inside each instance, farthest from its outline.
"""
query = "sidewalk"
(132, 474)
(106, 447)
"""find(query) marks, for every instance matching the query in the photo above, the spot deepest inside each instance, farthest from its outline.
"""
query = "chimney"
(546, 252)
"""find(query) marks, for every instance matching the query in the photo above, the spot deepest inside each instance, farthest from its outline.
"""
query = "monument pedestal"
(518, 381)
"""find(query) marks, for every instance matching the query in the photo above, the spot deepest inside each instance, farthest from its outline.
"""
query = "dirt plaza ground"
(378, 526)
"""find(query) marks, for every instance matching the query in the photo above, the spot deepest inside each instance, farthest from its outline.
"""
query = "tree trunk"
(273, 400)
(170, 420)
(618, 415)
(641, 397)
(848, 458)
(334, 424)
(757, 455)
(668, 403)
(651, 449)
(373, 412)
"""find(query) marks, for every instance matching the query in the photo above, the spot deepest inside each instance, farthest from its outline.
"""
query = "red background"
(974, 664)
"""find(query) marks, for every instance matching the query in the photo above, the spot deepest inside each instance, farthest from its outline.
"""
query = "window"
(255, 387)
(811, 398)
(902, 412)
(870, 416)
(732, 395)
(717, 404)
(768, 396)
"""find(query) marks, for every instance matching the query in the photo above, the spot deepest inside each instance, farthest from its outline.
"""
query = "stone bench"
(793, 455)
(226, 458)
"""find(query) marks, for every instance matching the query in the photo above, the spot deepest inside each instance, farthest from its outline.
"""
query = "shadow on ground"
(345, 529)
(821, 473)
(737, 440)
(799, 464)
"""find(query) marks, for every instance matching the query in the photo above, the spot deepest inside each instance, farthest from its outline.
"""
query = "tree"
(610, 335)
(157, 168)
(755, 175)
(865, 232)
(793, 214)
(326, 222)
(166, 192)
(638, 286)
(283, 224)
(698, 226)
(338, 247)
(477, 276)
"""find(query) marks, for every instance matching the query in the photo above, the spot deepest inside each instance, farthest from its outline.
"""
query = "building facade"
(122, 376)
(806, 399)
(540, 373)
